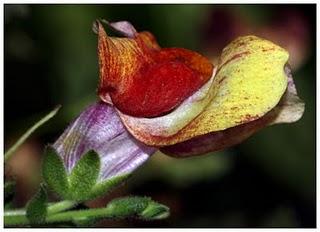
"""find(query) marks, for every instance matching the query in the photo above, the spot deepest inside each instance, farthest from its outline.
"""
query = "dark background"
(267, 181)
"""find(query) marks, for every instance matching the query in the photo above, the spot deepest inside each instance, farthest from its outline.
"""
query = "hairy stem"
(18, 216)
(76, 214)
(60, 206)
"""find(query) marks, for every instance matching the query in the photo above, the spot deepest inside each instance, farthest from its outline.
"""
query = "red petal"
(136, 72)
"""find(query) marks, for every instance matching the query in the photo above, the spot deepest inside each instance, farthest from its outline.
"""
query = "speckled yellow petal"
(290, 109)
(250, 81)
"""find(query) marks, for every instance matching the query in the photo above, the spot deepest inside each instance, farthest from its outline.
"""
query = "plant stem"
(15, 217)
(77, 214)
(21, 140)
(18, 216)
(60, 206)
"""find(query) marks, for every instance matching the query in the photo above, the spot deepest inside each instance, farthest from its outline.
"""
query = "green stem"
(15, 217)
(70, 215)
(21, 140)
(60, 206)
(18, 216)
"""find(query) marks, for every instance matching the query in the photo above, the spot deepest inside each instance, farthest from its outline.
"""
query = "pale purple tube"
(100, 129)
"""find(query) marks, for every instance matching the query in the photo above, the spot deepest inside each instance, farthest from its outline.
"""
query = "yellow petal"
(249, 82)
(290, 109)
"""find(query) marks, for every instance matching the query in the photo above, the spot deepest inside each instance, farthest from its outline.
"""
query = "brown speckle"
(222, 79)
(268, 49)
(248, 118)
(236, 56)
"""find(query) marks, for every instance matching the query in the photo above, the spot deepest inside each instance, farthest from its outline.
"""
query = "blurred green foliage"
(268, 181)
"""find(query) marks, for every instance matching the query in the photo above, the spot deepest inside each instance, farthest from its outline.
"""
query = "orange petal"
(144, 80)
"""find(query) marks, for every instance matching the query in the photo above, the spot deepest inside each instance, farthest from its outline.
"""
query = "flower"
(170, 99)
(247, 83)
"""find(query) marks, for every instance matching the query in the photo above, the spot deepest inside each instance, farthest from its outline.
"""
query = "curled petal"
(250, 81)
(173, 122)
(289, 109)
(100, 129)
(144, 80)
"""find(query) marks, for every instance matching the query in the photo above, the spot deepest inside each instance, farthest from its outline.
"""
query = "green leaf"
(106, 186)
(54, 172)
(23, 138)
(84, 176)
(37, 208)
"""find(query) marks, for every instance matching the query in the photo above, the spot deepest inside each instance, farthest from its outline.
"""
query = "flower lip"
(143, 79)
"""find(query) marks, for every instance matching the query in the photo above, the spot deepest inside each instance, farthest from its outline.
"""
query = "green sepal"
(54, 172)
(155, 211)
(127, 206)
(84, 176)
(106, 186)
(141, 207)
(81, 184)
(37, 207)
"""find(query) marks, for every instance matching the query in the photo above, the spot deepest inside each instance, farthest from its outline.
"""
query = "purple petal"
(123, 27)
(100, 129)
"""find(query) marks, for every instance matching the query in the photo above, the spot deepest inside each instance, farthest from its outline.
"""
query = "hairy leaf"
(84, 176)
(54, 172)
(37, 207)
